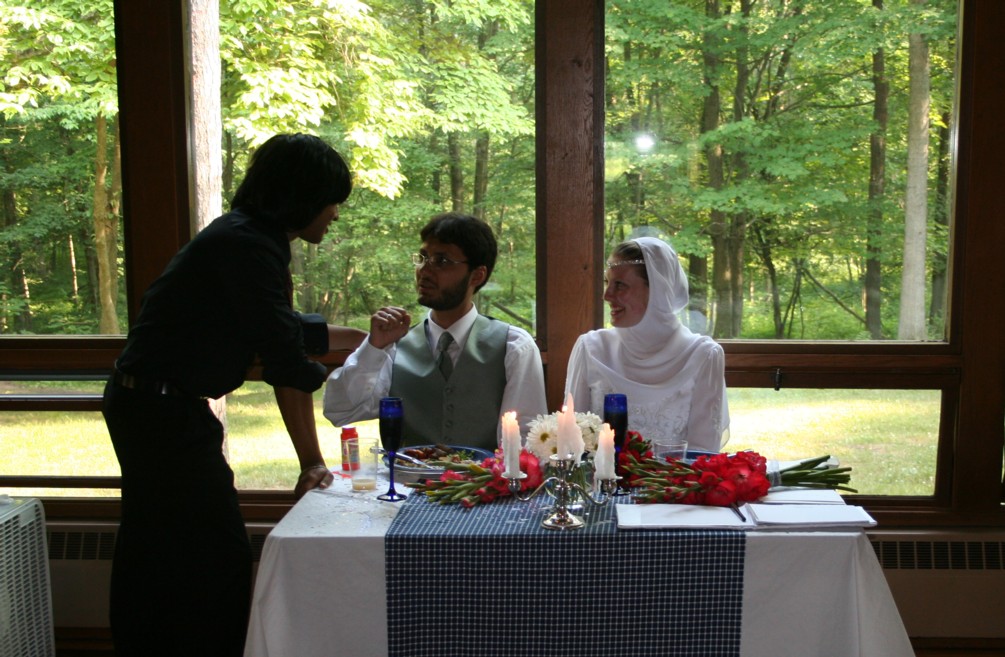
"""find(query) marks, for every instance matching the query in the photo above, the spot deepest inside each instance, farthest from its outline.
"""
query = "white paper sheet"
(680, 516)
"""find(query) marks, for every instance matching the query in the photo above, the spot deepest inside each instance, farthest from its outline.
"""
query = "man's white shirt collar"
(459, 329)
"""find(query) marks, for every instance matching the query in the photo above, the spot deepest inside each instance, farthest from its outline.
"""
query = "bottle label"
(345, 454)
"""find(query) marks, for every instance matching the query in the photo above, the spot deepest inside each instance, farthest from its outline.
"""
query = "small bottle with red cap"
(350, 449)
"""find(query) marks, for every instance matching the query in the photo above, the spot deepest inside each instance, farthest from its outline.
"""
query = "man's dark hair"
(472, 235)
(291, 178)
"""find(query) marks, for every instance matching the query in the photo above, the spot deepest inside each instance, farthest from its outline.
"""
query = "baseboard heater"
(948, 583)
(80, 563)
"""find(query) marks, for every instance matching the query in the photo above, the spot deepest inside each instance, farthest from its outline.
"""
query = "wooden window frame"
(969, 369)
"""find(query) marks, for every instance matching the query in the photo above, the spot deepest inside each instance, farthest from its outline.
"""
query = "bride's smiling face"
(626, 291)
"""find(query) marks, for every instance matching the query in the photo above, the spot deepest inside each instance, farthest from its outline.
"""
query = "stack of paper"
(808, 516)
(802, 496)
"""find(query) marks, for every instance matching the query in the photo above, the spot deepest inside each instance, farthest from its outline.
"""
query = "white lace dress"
(693, 404)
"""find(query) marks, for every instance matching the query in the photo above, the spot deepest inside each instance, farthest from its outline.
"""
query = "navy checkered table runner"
(491, 582)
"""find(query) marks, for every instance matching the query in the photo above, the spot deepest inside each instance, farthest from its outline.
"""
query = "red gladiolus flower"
(724, 494)
(530, 465)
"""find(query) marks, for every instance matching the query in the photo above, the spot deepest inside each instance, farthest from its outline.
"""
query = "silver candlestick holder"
(565, 492)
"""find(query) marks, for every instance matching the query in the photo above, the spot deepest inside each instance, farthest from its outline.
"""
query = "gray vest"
(464, 410)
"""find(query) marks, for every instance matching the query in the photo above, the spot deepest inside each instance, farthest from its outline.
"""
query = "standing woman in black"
(181, 575)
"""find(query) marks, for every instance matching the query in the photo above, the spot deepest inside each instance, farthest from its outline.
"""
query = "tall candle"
(511, 444)
(604, 460)
(570, 436)
(564, 433)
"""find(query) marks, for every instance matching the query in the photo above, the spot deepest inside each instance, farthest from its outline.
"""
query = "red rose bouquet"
(469, 484)
(724, 479)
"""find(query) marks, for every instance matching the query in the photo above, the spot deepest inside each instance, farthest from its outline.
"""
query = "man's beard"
(449, 298)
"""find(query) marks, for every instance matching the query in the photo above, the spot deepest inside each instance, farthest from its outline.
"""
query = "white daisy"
(542, 434)
(542, 437)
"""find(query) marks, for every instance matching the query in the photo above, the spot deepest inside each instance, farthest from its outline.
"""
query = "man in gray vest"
(457, 371)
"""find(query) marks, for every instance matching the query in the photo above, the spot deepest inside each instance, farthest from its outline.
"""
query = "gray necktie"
(443, 362)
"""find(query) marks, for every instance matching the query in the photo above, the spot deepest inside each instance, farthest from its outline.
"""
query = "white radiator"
(26, 627)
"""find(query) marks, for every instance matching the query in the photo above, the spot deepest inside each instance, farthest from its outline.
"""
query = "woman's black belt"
(148, 385)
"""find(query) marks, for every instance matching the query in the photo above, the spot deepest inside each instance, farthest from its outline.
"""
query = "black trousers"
(181, 574)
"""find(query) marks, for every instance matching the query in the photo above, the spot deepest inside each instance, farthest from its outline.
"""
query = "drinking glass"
(365, 476)
(391, 422)
(675, 448)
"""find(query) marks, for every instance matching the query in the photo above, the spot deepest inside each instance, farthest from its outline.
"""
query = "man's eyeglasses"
(436, 261)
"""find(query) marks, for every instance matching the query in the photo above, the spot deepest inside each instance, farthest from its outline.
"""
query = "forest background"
(795, 152)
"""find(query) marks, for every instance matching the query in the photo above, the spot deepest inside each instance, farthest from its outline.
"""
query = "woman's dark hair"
(292, 178)
(630, 251)
(471, 234)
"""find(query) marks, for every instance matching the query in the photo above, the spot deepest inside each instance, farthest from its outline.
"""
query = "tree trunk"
(697, 319)
(937, 307)
(873, 279)
(912, 290)
(74, 285)
(207, 135)
(207, 124)
(763, 249)
(711, 108)
(729, 288)
(105, 234)
(482, 141)
(456, 173)
(8, 217)
(481, 174)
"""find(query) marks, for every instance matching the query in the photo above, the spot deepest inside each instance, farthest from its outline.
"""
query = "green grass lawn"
(889, 438)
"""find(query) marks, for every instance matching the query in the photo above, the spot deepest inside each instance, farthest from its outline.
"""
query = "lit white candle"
(570, 436)
(511, 444)
(604, 460)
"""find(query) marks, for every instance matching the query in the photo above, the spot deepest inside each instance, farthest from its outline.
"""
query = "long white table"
(320, 588)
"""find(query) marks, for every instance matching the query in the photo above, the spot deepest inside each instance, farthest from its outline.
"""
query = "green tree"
(61, 73)
(762, 113)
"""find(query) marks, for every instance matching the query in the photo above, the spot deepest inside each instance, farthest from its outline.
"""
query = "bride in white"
(673, 378)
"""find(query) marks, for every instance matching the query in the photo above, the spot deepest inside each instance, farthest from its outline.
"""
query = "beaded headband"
(612, 265)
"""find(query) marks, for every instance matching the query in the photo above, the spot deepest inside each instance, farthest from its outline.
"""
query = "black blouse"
(222, 301)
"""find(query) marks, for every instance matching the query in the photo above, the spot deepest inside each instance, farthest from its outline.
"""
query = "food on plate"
(431, 453)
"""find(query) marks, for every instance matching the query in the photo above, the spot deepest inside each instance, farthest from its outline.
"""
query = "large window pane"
(59, 176)
(433, 106)
(795, 154)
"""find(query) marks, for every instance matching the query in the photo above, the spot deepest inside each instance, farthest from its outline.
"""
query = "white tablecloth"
(320, 588)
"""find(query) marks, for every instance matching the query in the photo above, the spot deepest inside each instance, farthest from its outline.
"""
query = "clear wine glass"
(391, 421)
